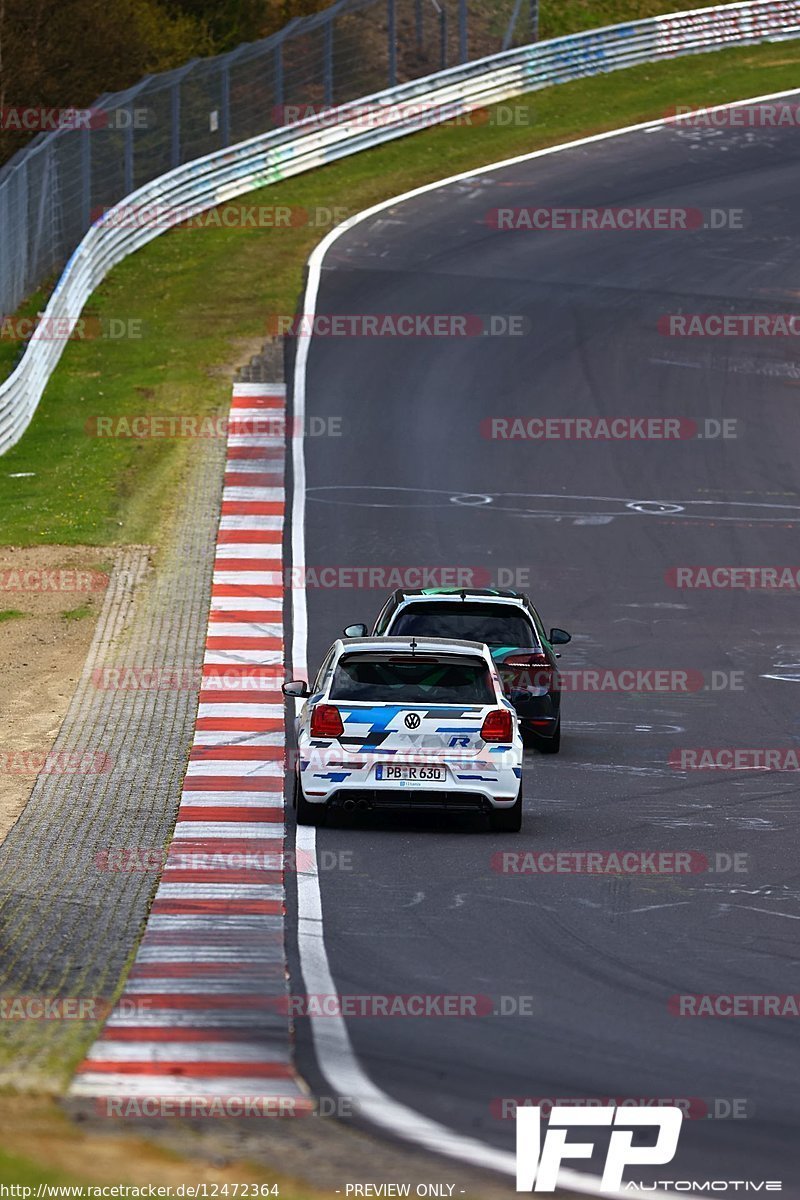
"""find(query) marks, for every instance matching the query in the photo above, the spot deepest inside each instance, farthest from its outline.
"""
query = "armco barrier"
(225, 174)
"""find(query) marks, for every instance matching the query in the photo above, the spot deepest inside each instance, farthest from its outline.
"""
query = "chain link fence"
(55, 188)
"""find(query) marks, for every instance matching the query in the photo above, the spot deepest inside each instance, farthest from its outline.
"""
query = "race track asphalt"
(411, 481)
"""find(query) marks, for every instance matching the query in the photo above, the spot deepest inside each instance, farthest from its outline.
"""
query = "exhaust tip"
(349, 805)
(364, 805)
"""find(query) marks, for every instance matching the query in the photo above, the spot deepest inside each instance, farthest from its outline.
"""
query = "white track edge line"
(335, 1055)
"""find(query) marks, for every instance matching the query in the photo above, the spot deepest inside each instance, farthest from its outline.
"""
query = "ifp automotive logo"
(538, 1164)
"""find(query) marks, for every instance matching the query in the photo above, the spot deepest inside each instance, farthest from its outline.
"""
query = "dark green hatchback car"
(508, 623)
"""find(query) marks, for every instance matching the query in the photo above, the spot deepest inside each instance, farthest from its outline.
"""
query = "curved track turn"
(598, 526)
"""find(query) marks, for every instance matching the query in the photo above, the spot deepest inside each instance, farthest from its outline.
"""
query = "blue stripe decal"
(377, 718)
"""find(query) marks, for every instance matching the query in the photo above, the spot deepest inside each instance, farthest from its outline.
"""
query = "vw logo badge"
(412, 720)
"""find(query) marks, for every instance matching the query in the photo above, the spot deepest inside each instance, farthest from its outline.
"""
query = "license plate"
(400, 773)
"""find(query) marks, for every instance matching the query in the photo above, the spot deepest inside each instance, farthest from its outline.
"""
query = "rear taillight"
(326, 721)
(522, 671)
(498, 726)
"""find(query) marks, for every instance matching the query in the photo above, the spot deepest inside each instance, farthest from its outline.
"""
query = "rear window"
(494, 624)
(412, 681)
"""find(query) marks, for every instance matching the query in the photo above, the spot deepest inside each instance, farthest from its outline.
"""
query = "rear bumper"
(536, 707)
(380, 799)
(468, 786)
(544, 726)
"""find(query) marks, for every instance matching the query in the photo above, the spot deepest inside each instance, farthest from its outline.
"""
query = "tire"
(508, 820)
(307, 814)
(545, 745)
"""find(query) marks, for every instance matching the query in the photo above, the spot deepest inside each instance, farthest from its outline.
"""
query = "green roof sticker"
(458, 591)
(499, 651)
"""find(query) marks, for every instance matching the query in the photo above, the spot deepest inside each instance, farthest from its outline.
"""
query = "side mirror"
(355, 631)
(559, 637)
(295, 687)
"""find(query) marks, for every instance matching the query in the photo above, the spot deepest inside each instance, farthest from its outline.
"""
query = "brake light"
(498, 726)
(326, 721)
(527, 660)
(522, 671)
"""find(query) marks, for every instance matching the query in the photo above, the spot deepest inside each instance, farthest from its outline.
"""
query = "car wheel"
(307, 814)
(545, 745)
(508, 820)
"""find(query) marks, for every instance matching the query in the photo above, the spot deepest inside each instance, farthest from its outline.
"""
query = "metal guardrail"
(223, 175)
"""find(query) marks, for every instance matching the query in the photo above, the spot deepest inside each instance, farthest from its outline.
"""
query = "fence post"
(443, 36)
(279, 79)
(175, 106)
(418, 24)
(534, 20)
(391, 24)
(86, 177)
(225, 104)
(5, 252)
(26, 276)
(42, 214)
(128, 135)
(462, 31)
(327, 85)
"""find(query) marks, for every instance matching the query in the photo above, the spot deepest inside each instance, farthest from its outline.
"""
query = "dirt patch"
(310, 1158)
(34, 1129)
(50, 597)
(244, 349)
